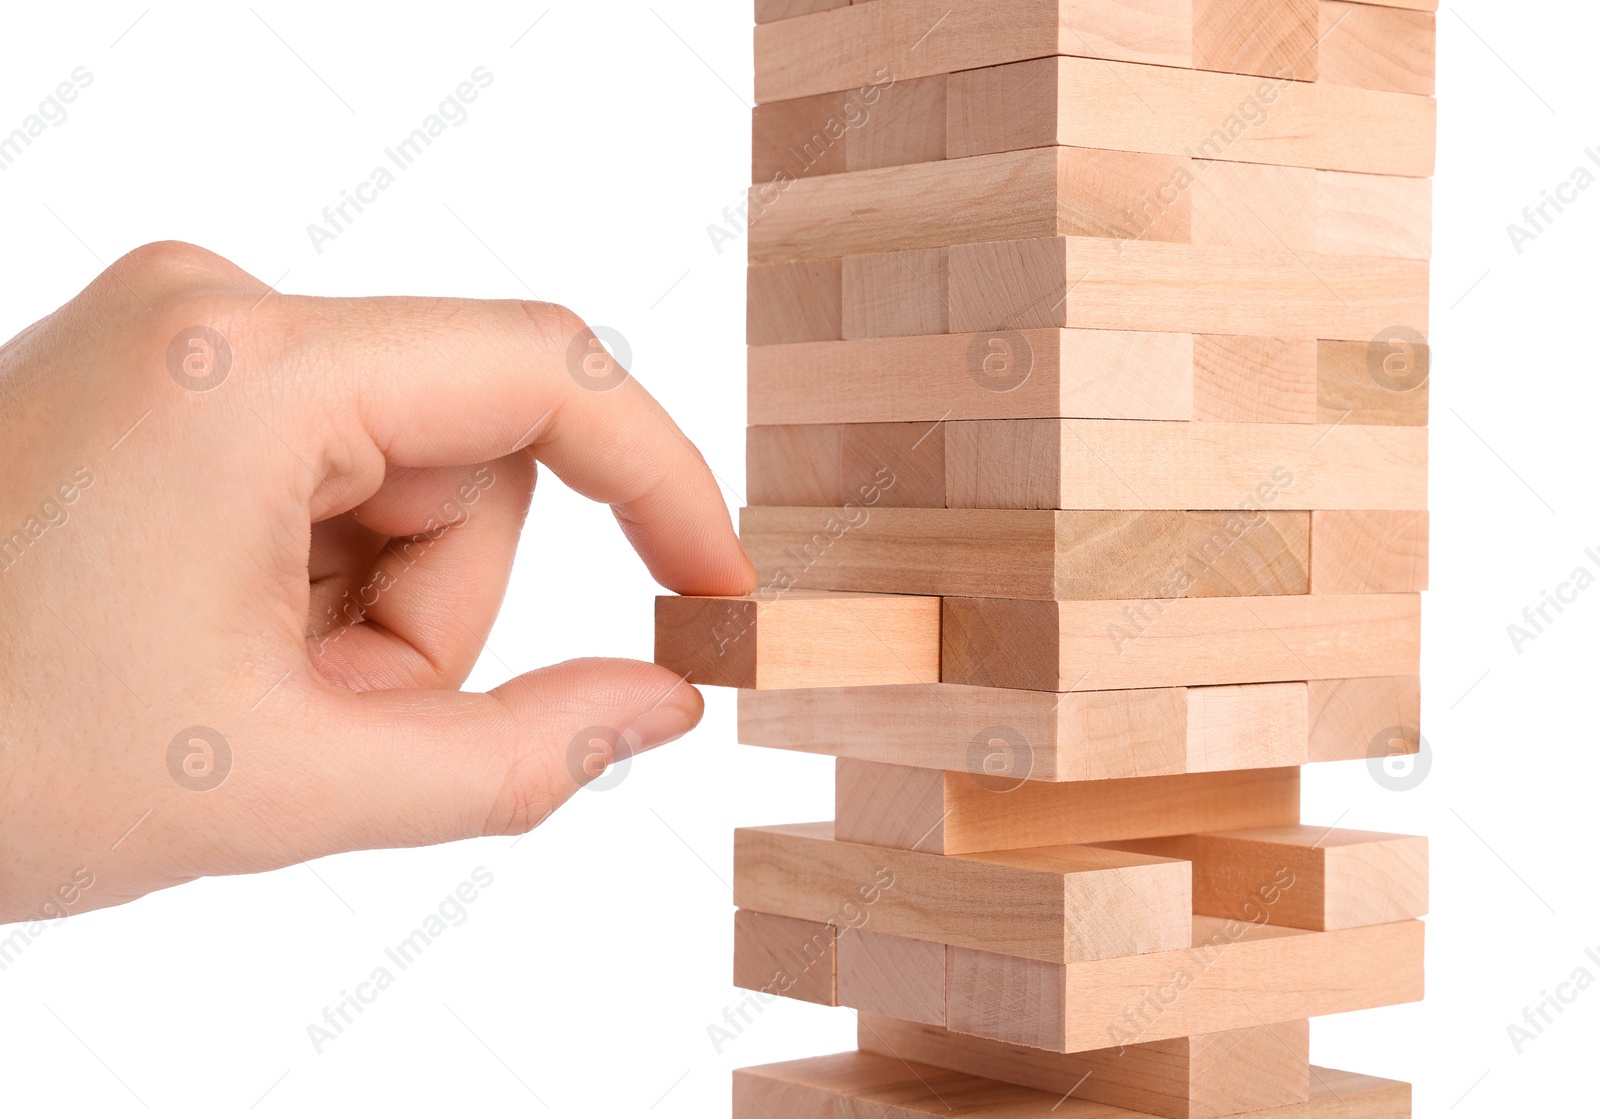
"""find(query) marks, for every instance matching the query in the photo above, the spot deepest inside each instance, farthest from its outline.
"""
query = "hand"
(251, 546)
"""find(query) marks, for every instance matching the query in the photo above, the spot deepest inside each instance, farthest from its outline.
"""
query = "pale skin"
(304, 559)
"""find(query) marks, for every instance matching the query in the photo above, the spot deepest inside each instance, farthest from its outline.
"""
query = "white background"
(584, 979)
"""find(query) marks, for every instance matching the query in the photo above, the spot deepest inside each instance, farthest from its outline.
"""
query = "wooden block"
(1005, 374)
(892, 294)
(783, 956)
(1236, 975)
(793, 139)
(1202, 289)
(906, 126)
(770, 11)
(1373, 215)
(1028, 553)
(1369, 551)
(1254, 206)
(1202, 1077)
(846, 464)
(1062, 646)
(1239, 379)
(1275, 38)
(1247, 553)
(853, 46)
(794, 302)
(1376, 47)
(1384, 381)
(958, 813)
(799, 639)
(1300, 876)
(871, 1086)
(1039, 736)
(892, 975)
(1367, 717)
(1123, 464)
(1246, 726)
(1049, 903)
(1179, 112)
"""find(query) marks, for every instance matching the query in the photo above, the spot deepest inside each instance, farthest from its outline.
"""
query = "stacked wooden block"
(1087, 484)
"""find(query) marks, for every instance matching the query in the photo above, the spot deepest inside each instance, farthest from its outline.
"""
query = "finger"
(420, 767)
(425, 603)
(446, 382)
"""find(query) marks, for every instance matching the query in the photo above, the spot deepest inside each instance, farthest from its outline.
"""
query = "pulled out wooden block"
(799, 639)
(957, 813)
(1301, 876)
(871, 1086)
(1373, 717)
(1042, 280)
(892, 975)
(1382, 381)
(1022, 553)
(1369, 551)
(1048, 903)
(1203, 116)
(1039, 736)
(988, 375)
(1062, 646)
(1203, 1077)
(1125, 464)
(1236, 975)
(846, 464)
(784, 956)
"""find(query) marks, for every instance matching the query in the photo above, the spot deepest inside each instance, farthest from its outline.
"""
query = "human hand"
(251, 545)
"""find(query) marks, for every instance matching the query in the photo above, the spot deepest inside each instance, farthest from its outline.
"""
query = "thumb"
(432, 766)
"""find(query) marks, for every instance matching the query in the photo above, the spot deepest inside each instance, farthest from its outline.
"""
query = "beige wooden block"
(1025, 553)
(892, 294)
(847, 464)
(907, 39)
(1364, 717)
(1004, 735)
(958, 813)
(892, 975)
(799, 639)
(1061, 646)
(1378, 382)
(770, 11)
(1374, 215)
(1248, 552)
(1376, 47)
(904, 125)
(1246, 726)
(1240, 379)
(1275, 38)
(1202, 289)
(870, 1086)
(1235, 976)
(796, 465)
(797, 138)
(1254, 206)
(1003, 374)
(783, 956)
(794, 302)
(1118, 464)
(1300, 876)
(1181, 112)
(1369, 551)
(1048, 903)
(1202, 1077)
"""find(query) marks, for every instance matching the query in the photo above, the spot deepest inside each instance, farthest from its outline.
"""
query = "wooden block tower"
(1087, 483)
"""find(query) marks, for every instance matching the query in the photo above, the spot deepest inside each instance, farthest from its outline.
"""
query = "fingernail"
(656, 727)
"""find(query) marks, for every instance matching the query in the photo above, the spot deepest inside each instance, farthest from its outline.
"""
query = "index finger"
(454, 382)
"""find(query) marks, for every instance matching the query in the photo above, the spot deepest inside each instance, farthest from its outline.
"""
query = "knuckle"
(174, 263)
(554, 326)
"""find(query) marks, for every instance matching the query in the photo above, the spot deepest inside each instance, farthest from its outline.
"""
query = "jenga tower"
(1087, 482)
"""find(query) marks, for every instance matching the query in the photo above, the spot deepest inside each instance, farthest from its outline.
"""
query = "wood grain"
(794, 302)
(1369, 551)
(892, 294)
(1376, 47)
(799, 639)
(783, 956)
(892, 975)
(898, 464)
(1366, 717)
(1061, 646)
(1036, 903)
(1241, 379)
(1382, 381)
